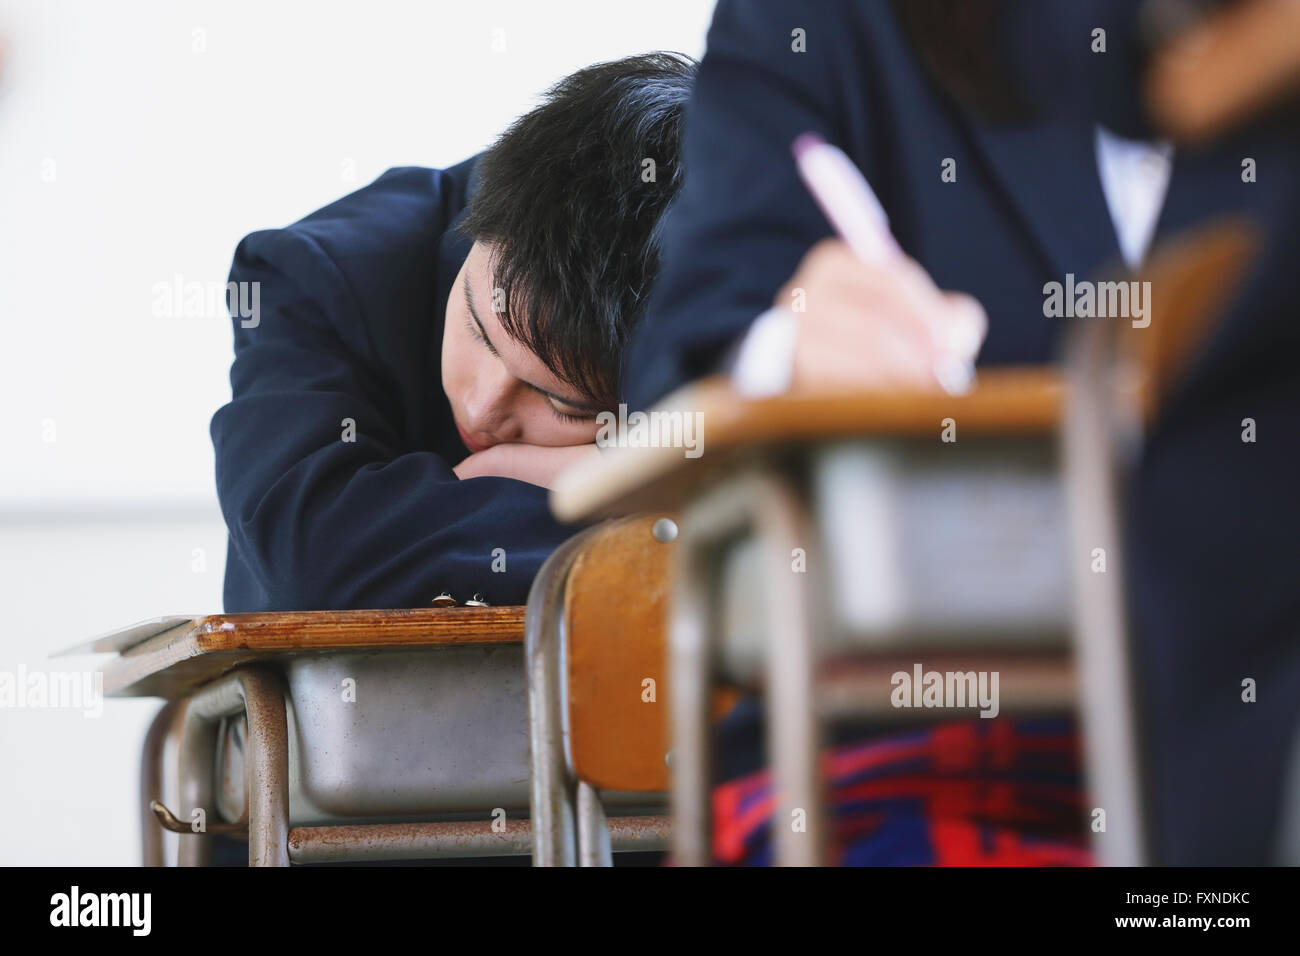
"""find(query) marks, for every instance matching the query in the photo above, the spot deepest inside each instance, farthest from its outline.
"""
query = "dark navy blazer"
(353, 299)
(1214, 522)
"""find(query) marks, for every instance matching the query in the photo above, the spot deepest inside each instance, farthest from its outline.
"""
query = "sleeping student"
(431, 350)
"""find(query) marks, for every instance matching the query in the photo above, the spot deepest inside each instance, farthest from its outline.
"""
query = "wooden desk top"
(169, 657)
(1011, 401)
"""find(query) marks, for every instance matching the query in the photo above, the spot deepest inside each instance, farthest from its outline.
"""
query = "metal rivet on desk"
(477, 601)
(665, 530)
(444, 600)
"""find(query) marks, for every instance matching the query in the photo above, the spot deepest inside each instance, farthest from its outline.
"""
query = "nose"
(489, 406)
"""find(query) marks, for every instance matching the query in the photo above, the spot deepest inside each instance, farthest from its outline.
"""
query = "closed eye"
(475, 326)
(476, 329)
(574, 419)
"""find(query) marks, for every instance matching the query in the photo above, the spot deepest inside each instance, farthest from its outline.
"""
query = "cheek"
(541, 427)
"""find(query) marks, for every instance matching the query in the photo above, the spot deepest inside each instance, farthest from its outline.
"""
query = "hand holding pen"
(858, 312)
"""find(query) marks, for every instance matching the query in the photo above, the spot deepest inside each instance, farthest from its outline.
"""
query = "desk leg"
(794, 732)
(690, 669)
(196, 766)
(151, 782)
(257, 694)
(268, 778)
(767, 505)
(1101, 644)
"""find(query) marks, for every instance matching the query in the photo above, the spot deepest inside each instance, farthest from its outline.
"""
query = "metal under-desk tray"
(394, 735)
(924, 546)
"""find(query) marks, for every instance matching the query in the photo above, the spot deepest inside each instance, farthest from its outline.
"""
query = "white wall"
(139, 141)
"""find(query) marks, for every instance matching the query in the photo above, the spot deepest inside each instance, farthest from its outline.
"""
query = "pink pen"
(851, 207)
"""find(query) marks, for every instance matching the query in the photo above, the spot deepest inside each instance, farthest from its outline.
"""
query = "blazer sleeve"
(743, 219)
(324, 506)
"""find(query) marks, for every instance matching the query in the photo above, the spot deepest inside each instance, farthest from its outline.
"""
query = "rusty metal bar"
(151, 782)
(257, 694)
(169, 821)
(646, 833)
(409, 841)
(430, 841)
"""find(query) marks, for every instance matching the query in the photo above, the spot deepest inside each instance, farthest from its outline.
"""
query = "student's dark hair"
(568, 203)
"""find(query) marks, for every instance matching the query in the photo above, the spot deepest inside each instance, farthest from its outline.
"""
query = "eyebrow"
(563, 399)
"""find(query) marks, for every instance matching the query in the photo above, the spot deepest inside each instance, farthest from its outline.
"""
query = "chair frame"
(570, 825)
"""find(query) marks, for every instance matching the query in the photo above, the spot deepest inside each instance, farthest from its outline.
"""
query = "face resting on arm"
(565, 227)
(515, 415)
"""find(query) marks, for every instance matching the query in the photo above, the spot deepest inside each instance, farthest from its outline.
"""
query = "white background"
(139, 141)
